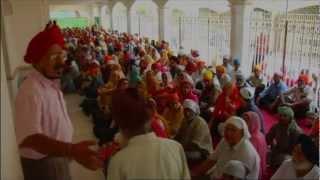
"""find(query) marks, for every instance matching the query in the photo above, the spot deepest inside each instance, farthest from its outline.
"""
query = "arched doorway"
(119, 17)
(144, 19)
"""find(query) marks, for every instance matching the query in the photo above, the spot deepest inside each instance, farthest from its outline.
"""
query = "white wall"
(28, 17)
(10, 164)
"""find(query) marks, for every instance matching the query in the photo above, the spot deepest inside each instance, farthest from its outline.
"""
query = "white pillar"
(99, 10)
(110, 16)
(128, 4)
(10, 163)
(129, 30)
(240, 24)
(30, 16)
(91, 14)
(163, 13)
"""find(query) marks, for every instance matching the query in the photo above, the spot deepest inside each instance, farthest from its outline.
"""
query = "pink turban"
(40, 44)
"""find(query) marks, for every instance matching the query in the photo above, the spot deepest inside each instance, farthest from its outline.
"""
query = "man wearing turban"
(43, 127)
(298, 97)
(282, 136)
(222, 76)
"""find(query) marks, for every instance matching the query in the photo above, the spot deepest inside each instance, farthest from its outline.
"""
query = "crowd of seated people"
(158, 114)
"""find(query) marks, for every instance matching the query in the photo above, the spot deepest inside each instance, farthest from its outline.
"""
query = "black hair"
(309, 149)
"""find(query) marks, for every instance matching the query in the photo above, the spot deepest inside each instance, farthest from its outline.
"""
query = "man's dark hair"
(130, 110)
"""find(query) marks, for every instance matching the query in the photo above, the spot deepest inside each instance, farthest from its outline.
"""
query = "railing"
(120, 23)
(210, 35)
(267, 38)
(300, 54)
(145, 26)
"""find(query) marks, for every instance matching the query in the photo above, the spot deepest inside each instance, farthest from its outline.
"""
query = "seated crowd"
(163, 115)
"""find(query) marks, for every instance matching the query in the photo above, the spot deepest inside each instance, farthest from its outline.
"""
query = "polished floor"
(82, 131)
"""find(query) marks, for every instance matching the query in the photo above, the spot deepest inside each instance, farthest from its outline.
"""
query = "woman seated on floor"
(235, 145)
(194, 134)
(282, 137)
(304, 163)
(225, 107)
(173, 114)
(257, 139)
(247, 105)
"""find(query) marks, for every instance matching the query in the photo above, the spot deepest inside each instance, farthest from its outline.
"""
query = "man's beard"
(56, 75)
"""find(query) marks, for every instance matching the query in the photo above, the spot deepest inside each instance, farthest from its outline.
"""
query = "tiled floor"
(82, 131)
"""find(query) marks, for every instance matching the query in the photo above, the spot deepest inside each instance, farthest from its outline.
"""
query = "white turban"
(240, 124)
(235, 168)
(190, 104)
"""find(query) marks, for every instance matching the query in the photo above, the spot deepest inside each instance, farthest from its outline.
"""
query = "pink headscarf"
(257, 139)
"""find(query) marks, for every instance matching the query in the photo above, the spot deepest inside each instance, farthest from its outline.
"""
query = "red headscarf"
(224, 109)
(108, 58)
(40, 44)
(156, 66)
(191, 67)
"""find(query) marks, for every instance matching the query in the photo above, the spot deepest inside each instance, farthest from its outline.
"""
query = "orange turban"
(304, 78)
(221, 69)
(40, 44)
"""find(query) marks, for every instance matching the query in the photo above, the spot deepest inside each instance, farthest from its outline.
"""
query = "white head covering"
(181, 67)
(246, 93)
(190, 104)
(239, 123)
(235, 168)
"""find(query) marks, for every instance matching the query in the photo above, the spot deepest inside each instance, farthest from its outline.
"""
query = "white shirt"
(243, 151)
(296, 94)
(286, 171)
(149, 157)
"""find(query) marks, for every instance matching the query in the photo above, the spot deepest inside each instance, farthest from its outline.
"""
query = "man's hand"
(85, 156)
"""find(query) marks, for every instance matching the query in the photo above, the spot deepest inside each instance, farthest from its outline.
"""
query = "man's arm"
(51, 147)
(45, 145)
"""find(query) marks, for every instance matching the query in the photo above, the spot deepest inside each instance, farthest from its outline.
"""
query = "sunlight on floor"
(82, 131)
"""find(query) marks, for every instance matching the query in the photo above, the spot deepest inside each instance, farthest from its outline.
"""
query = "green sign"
(72, 22)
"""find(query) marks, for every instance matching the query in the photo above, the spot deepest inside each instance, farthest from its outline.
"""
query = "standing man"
(43, 128)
